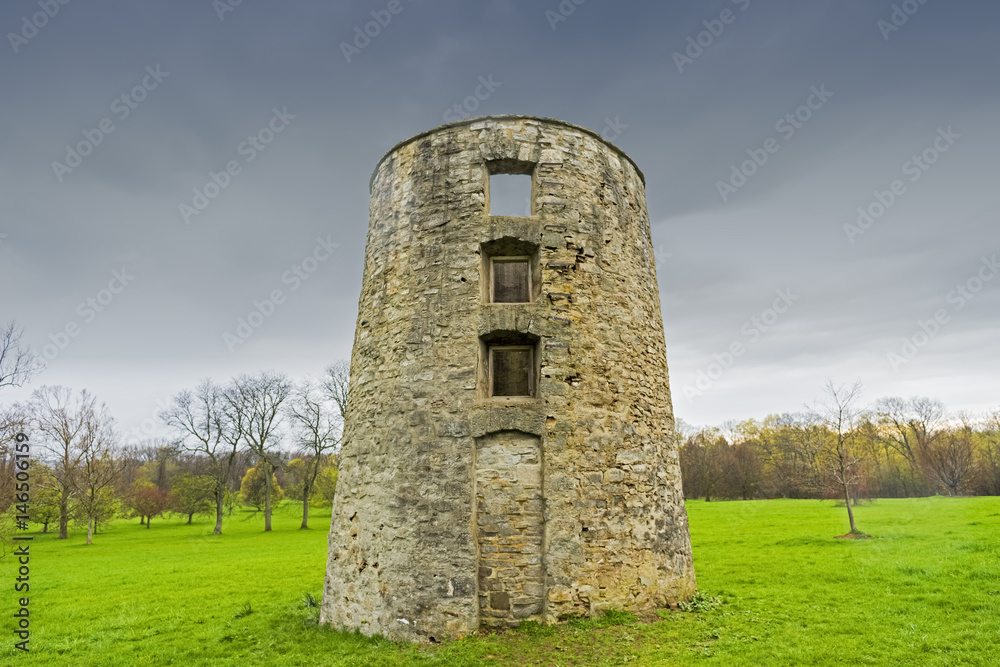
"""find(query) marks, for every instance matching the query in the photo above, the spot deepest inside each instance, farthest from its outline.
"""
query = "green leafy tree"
(230, 499)
(193, 494)
(44, 507)
(326, 481)
(8, 520)
(295, 473)
(254, 488)
(102, 511)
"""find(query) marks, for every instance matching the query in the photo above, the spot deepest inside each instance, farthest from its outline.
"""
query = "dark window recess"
(512, 371)
(511, 280)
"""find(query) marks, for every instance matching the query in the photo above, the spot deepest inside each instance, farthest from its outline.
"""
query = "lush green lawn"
(925, 590)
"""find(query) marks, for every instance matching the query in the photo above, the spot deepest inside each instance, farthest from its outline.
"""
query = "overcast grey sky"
(893, 108)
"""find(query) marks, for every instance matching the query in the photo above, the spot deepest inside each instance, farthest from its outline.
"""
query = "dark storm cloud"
(722, 255)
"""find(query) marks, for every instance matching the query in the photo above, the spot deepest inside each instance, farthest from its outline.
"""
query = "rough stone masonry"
(509, 448)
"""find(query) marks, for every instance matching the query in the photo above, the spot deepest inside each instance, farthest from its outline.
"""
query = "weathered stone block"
(613, 475)
(522, 611)
(500, 600)
(628, 457)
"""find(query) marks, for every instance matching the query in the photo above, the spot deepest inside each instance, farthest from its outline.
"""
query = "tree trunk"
(142, 519)
(190, 516)
(149, 521)
(307, 485)
(64, 516)
(219, 497)
(90, 531)
(45, 527)
(850, 513)
(267, 497)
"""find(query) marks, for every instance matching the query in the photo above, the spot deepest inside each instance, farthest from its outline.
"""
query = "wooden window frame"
(531, 369)
(526, 259)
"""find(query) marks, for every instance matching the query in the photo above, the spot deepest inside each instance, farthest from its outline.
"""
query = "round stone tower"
(509, 448)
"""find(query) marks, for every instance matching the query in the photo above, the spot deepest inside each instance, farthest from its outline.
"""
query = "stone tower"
(509, 448)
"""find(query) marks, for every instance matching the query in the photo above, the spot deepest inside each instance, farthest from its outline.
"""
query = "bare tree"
(840, 414)
(746, 470)
(704, 459)
(926, 420)
(101, 463)
(316, 425)
(17, 362)
(336, 381)
(208, 429)
(61, 419)
(911, 427)
(12, 422)
(989, 459)
(893, 415)
(949, 458)
(790, 445)
(256, 401)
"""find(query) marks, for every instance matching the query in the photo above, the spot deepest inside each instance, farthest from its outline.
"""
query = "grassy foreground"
(925, 590)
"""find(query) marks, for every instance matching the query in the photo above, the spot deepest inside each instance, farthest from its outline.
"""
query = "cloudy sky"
(762, 128)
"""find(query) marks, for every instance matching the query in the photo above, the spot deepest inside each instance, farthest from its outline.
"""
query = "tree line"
(837, 448)
(249, 441)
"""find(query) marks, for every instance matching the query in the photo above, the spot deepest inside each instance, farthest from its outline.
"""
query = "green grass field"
(925, 590)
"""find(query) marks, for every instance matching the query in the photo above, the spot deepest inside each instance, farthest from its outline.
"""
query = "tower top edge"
(503, 117)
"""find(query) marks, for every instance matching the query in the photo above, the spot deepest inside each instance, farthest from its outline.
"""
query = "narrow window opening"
(512, 370)
(510, 194)
(511, 280)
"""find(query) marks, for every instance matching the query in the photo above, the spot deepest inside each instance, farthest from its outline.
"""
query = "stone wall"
(435, 474)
